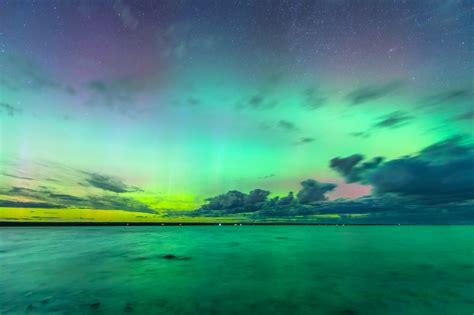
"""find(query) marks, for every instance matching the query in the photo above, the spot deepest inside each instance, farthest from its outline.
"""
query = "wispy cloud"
(10, 110)
(372, 92)
(393, 120)
(287, 125)
(109, 183)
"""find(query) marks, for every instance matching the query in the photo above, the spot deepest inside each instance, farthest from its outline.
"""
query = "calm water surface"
(237, 270)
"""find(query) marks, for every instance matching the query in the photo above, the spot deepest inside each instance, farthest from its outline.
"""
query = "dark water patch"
(425, 266)
(174, 257)
(141, 258)
(466, 266)
(95, 305)
(449, 292)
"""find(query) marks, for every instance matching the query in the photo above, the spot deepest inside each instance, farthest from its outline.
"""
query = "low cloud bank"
(435, 185)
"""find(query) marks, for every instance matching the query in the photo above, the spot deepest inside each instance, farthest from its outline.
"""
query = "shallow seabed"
(237, 270)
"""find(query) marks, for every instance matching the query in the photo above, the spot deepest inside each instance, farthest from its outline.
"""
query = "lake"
(237, 270)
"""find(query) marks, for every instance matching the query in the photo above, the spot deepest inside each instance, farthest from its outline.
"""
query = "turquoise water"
(238, 270)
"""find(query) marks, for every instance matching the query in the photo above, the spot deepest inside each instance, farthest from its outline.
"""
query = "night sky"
(216, 110)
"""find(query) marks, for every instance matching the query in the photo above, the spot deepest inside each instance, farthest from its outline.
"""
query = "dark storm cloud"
(451, 148)
(350, 169)
(234, 201)
(8, 109)
(393, 120)
(374, 210)
(372, 92)
(283, 201)
(312, 191)
(435, 186)
(109, 183)
(440, 173)
(287, 125)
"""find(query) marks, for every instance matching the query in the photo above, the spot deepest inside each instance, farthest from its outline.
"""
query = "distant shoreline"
(40, 224)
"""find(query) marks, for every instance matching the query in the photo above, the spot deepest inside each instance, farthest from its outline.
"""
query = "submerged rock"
(169, 256)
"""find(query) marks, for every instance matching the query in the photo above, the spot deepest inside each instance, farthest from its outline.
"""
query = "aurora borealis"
(142, 110)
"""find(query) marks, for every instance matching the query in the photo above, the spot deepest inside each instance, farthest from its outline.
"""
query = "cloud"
(287, 125)
(313, 191)
(372, 92)
(348, 167)
(27, 204)
(283, 201)
(45, 198)
(465, 116)
(360, 134)
(17, 177)
(10, 110)
(235, 201)
(258, 101)
(109, 183)
(305, 140)
(434, 186)
(440, 173)
(312, 99)
(452, 96)
(108, 202)
(393, 120)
